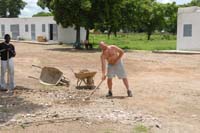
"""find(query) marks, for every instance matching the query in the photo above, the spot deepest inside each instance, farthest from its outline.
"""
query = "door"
(53, 32)
(15, 31)
(33, 36)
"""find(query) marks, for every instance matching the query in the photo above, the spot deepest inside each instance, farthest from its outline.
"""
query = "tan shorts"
(116, 70)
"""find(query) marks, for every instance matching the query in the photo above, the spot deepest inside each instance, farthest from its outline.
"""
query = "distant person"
(113, 55)
(7, 54)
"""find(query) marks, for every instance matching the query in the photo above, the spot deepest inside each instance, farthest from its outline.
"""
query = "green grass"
(4, 110)
(137, 41)
(140, 129)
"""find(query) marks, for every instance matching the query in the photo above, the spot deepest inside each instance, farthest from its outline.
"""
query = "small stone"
(158, 126)
(194, 116)
(13, 120)
(55, 115)
(33, 115)
(28, 115)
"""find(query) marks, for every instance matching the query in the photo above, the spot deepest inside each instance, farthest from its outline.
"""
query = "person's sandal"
(109, 94)
(129, 93)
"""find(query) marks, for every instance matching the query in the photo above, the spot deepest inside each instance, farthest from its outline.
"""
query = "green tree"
(143, 16)
(11, 8)
(170, 15)
(194, 3)
(42, 14)
(109, 15)
(150, 16)
(128, 16)
(68, 12)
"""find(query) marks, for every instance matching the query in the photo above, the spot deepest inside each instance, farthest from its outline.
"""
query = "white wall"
(188, 16)
(38, 21)
(68, 35)
(65, 35)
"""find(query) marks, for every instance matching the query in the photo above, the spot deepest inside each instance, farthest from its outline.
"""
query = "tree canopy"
(68, 12)
(115, 15)
(42, 14)
(11, 8)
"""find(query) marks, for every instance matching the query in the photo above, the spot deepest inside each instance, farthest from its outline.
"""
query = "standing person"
(7, 63)
(113, 55)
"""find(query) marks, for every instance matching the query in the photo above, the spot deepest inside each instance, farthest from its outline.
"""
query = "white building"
(31, 28)
(188, 28)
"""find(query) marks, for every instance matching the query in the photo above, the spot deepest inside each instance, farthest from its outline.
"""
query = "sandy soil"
(165, 87)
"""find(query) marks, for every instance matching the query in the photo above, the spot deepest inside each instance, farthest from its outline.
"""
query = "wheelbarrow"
(51, 76)
(86, 77)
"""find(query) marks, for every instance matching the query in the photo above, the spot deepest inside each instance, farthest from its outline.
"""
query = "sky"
(177, 1)
(32, 8)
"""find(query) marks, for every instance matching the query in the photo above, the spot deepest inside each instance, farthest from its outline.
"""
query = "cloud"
(177, 1)
(31, 8)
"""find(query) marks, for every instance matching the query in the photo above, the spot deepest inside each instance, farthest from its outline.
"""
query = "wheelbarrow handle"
(96, 88)
(33, 77)
(37, 66)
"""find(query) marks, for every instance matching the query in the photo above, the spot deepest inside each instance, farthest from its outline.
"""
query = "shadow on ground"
(11, 105)
(74, 50)
(86, 87)
(117, 97)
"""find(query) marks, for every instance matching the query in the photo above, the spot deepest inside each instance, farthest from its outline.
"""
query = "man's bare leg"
(125, 80)
(109, 82)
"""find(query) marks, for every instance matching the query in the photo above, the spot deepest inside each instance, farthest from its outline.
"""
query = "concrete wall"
(190, 15)
(68, 38)
(65, 35)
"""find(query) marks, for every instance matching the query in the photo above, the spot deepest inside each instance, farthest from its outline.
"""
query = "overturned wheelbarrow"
(51, 76)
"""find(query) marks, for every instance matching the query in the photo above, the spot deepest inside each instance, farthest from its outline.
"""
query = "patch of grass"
(4, 110)
(140, 129)
(137, 41)
(109, 131)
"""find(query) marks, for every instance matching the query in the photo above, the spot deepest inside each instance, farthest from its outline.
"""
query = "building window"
(26, 28)
(187, 30)
(14, 29)
(2, 30)
(43, 28)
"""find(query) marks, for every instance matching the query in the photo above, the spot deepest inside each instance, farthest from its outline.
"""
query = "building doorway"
(53, 32)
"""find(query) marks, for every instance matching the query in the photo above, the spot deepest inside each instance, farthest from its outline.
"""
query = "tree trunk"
(109, 32)
(149, 35)
(87, 34)
(78, 41)
(115, 33)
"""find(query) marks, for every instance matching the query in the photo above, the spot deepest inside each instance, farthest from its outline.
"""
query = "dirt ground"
(166, 91)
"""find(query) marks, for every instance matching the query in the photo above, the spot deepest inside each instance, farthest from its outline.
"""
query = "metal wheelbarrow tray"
(51, 76)
(86, 77)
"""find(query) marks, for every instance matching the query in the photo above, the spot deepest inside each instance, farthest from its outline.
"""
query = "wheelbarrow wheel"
(65, 82)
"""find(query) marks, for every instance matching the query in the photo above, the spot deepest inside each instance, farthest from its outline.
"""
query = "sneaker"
(109, 94)
(129, 93)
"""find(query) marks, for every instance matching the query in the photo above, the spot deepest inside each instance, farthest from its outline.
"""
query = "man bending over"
(113, 55)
